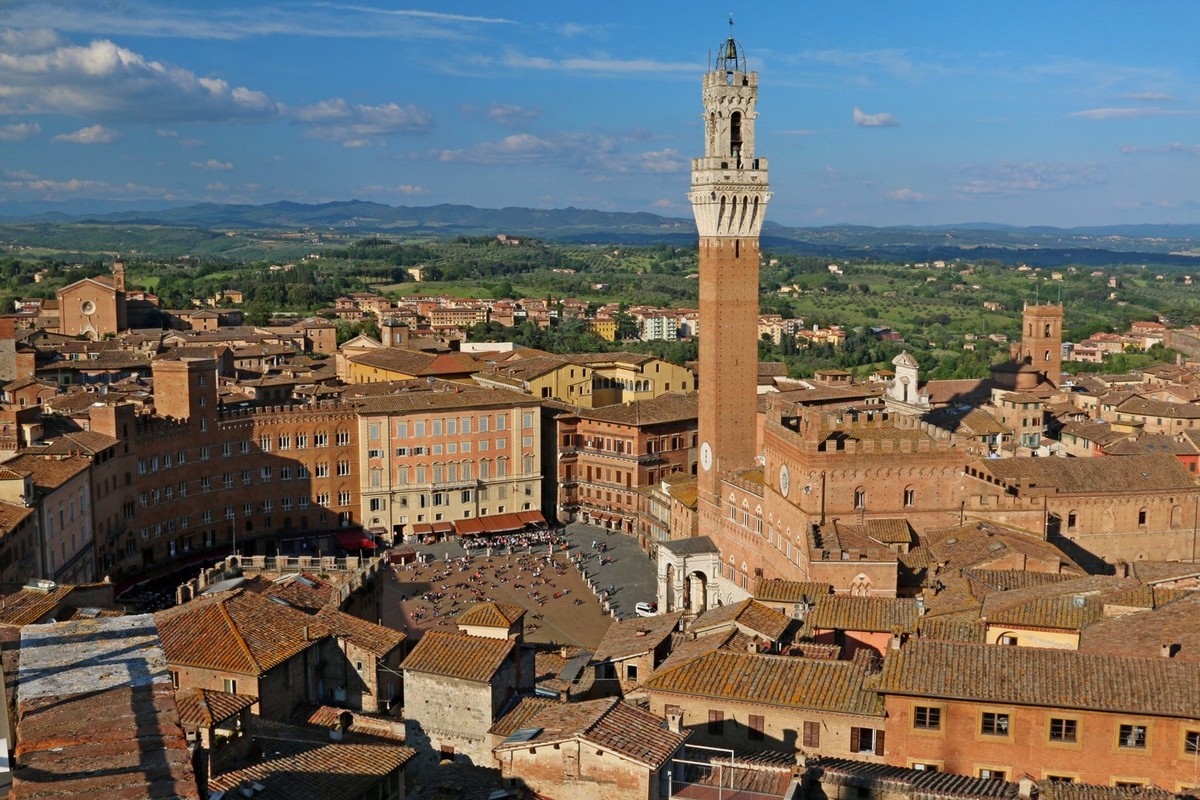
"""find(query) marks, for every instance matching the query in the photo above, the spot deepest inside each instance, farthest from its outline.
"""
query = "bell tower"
(1041, 340)
(729, 198)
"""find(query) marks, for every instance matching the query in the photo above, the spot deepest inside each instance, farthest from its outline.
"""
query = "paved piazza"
(547, 581)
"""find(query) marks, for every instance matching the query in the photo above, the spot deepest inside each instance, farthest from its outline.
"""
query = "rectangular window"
(204, 452)
(1064, 730)
(246, 447)
(301, 441)
(285, 442)
(501, 422)
(230, 685)
(265, 473)
(436, 427)
(994, 724)
(1132, 736)
(866, 740)
(343, 468)
(343, 438)
(320, 440)
(812, 734)
(927, 718)
(285, 503)
(716, 720)
(419, 430)
(755, 726)
(483, 423)
(264, 443)
(631, 672)
(227, 449)
(992, 774)
(1191, 742)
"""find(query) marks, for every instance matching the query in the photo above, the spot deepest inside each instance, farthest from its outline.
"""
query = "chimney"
(1168, 649)
(675, 722)
(306, 634)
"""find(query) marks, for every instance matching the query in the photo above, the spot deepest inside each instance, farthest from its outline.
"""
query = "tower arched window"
(735, 134)
(1047, 355)
(1047, 331)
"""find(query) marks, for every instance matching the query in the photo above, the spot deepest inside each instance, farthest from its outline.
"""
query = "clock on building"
(785, 480)
(706, 457)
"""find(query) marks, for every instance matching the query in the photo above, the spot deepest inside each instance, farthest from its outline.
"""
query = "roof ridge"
(237, 635)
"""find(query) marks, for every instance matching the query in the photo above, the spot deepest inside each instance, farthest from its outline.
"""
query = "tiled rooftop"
(236, 631)
(1030, 676)
(787, 681)
(457, 655)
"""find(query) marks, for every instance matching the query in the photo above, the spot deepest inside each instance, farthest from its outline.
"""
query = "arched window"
(1142, 517)
(910, 497)
(1047, 355)
(1176, 516)
(860, 498)
(1047, 330)
(735, 134)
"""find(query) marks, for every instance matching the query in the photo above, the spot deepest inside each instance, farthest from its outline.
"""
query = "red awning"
(443, 527)
(531, 517)
(505, 522)
(470, 527)
(422, 528)
(355, 540)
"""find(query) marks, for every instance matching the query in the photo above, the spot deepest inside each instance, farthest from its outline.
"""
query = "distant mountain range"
(1039, 246)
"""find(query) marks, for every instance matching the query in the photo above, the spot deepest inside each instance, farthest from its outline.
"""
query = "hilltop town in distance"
(350, 512)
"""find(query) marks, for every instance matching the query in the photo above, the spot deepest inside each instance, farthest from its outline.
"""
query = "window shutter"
(812, 734)
(854, 740)
(878, 743)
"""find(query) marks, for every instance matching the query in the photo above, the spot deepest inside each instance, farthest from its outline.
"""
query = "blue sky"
(875, 113)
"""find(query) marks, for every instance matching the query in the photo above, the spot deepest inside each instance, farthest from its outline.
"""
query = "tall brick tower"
(1041, 340)
(729, 198)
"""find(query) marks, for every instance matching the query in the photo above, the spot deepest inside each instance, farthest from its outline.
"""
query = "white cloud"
(598, 64)
(217, 187)
(664, 161)
(510, 115)
(93, 134)
(41, 73)
(319, 19)
(1130, 112)
(50, 189)
(213, 165)
(664, 202)
(1007, 178)
(358, 125)
(404, 189)
(19, 131)
(906, 196)
(1148, 97)
(1173, 147)
(184, 141)
(881, 120)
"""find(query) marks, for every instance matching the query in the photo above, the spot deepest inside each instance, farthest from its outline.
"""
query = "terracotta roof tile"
(1044, 677)
(1144, 633)
(749, 614)
(457, 655)
(632, 637)
(490, 614)
(609, 723)
(786, 681)
(669, 407)
(199, 708)
(878, 614)
(776, 590)
(236, 631)
(1138, 473)
(373, 638)
(295, 767)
